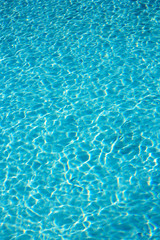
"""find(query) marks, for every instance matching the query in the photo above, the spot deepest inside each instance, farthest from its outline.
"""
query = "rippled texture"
(79, 119)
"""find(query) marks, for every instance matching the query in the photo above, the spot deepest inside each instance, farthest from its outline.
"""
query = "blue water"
(79, 119)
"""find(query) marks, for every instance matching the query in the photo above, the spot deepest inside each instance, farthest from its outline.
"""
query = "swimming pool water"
(79, 119)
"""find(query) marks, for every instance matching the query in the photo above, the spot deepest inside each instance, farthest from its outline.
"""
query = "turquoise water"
(79, 119)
